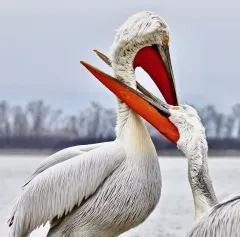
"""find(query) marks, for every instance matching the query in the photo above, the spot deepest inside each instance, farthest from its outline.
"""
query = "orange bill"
(155, 112)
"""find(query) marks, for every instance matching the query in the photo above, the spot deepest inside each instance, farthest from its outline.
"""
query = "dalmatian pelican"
(108, 188)
(212, 218)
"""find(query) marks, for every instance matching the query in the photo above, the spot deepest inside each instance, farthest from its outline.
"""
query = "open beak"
(155, 112)
(156, 61)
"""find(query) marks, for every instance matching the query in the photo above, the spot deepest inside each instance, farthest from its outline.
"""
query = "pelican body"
(108, 188)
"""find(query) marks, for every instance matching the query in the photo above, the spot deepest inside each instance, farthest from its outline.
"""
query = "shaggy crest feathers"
(190, 129)
(140, 30)
(142, 24)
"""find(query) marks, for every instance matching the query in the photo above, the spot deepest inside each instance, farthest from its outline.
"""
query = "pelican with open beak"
(156, 61)
(108, 188)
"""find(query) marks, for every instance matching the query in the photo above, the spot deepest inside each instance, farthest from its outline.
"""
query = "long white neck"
(199, 178)
(130, 127)
(125, 73)
(132, 131)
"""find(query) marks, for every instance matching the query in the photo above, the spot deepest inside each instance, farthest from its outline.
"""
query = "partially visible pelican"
(212, 218)
(106, 189)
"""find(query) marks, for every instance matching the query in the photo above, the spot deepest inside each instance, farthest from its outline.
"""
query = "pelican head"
(143, 41)
(190, 128)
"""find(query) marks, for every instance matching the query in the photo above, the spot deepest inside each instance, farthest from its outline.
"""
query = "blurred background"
(48, 101)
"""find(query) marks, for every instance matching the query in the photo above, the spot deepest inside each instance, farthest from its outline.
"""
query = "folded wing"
(63, 155)
(55, 191)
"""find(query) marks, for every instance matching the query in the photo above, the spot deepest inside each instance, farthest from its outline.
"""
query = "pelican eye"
(165, 40)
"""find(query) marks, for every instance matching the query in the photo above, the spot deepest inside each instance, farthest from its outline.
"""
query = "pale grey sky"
(42, 41)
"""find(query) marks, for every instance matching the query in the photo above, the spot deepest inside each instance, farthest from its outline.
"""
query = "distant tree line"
(37, 126)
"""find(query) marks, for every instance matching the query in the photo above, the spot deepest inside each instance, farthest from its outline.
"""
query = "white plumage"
(63, 155)
(51, 194)
(102, 189)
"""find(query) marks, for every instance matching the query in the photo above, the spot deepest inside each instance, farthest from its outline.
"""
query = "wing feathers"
(61, 156)
(58, 189)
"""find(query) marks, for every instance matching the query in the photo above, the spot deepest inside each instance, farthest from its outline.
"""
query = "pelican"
(108, 188)
(212, 218)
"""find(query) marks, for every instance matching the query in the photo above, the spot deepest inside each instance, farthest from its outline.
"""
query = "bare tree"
(52, 123)
(93, 123)
(20, 124)
(4, 119)
(72, 126)
(108, 123)
(82, 119)
(229, 125)
(219, 124)
(37, 113)
(236, 112)
(207, 115)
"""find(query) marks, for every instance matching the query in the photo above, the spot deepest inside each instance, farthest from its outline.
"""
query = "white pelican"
(213, 218)
(106, 189)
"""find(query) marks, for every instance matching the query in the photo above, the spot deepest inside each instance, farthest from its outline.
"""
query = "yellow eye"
(165, 40)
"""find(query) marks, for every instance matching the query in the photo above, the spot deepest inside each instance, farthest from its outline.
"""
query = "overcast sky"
(42, 41)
